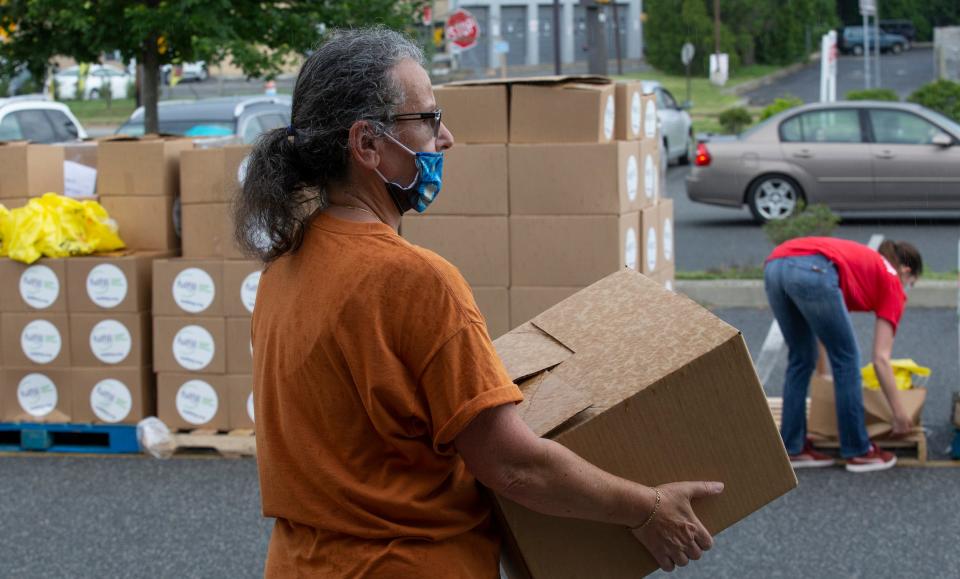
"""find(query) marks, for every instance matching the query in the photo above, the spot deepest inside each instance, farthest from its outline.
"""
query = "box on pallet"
(187, 401)
(494, 304)
(188, 287)
(41, 286)
(879, 418)
(113, 395)
(240, 282)
(474, 182)
(649, 386)
(576, 179)
(571, 251)
(182, 344)
(115, 282)
(527, 303)
(35, 395)
(239, 346)
(140, 166)
(475, 114)
(629, 125)
(114, 339)
(207, 231)
(34, 339)
(211, 175)
(477, 246)
(28, 170)
(240, 392)
(144, 223)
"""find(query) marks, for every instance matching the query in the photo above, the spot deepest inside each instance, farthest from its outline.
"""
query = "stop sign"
(462, 29)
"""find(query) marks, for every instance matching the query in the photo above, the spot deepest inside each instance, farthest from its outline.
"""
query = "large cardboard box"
(648, 385)
(650, 151)
(474, 182)
(239, 346)
(182, 344)
(651, 124)
(114, 339)
(665, 228)
(240, 392)
(208, 231)
(211, 175)
(30, 170)
(188, 287)
(527, 303)
(650, 261)
(494, 304)
(241, 279)
(35, 340)
(565, 110)
(113, 395)
(41, 286)
(140, 166)
(114, 282)
(35, 395)
(629, 123)
(477, 246)
(475, 114)
(145, 223)
(575, 179)
(822, 421)
(571, 251)
(189, 401)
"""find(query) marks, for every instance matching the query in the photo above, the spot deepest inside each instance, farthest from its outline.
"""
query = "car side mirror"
(942, 140)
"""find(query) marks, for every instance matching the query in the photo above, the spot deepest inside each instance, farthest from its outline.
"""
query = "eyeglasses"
(433, 116)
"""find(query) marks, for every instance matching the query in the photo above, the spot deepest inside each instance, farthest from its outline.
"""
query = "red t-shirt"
(868, 281)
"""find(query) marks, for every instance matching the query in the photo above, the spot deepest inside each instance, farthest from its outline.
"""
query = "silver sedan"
(851, 155)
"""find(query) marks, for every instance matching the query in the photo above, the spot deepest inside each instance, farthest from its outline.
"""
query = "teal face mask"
(424, 188)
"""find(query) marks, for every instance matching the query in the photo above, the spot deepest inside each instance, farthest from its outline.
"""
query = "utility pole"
(557, 69)
(716, 26)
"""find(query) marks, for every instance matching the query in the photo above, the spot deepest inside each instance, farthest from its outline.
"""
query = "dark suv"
(243, 116)
(851, 41)
(904, 28)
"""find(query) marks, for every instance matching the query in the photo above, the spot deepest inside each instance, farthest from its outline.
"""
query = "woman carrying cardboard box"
(811, 283)
(379, 398)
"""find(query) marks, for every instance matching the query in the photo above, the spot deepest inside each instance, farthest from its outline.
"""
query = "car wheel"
(858, 50)
(690, 152)
(774, 197)
(897, 48)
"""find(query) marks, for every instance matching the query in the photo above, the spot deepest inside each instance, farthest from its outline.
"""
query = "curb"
(750, 293)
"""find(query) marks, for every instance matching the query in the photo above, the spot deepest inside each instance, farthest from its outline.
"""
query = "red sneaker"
(810, 458)
(875, 459)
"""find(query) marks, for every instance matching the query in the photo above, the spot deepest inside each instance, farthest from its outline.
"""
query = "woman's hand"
(902, 424)
(675, 536)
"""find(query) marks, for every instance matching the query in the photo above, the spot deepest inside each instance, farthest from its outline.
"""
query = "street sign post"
(686, 57)
(462, 29)
(828, 67)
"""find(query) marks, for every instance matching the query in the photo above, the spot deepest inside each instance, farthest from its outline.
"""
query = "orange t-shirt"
(370, 357)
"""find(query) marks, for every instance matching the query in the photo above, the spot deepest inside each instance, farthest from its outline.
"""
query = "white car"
(675, 125)
(186, 71)
(37, 119)
(99, 77)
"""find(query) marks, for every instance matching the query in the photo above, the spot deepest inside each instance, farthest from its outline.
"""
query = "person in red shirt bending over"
(812, 283)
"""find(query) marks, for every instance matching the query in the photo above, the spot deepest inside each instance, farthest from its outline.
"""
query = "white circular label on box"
(630, 251)
(650, 120)
(633, 178)
(40, 341)
(248, 290)
(110, 400)
(39, 286)
(668, 239)
(636, 113)
(250, 407)
(668, 284)
(193, 347)
(197, 402)
(652, 249)
(193, 290)
(37, 395)
(609, 115)
(650, 178)
(106, 285)
(110, 342)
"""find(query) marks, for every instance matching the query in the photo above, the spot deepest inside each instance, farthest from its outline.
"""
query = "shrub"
(873, 94)
(779, 105)
(814, 220)
(735, 120)
(942, 96)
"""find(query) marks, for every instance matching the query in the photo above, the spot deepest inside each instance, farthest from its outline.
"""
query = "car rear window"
(197, 128)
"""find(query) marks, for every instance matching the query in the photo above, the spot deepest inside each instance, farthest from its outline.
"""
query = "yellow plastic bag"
(56, 226)
(904, 370)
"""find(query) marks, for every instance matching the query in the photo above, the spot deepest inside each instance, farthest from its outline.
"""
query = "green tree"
(259, 36)
(873, 94)
(942, 96)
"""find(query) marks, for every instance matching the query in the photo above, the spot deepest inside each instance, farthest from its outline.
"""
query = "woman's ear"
(364, 145)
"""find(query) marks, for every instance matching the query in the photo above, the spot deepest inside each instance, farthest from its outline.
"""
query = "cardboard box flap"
(548, 402)
(527, 351)
(584, 79)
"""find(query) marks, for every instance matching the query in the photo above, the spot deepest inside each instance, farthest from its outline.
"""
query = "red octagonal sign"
(462, 29)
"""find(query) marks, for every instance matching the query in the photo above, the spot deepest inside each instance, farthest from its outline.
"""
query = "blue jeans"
(804, 294)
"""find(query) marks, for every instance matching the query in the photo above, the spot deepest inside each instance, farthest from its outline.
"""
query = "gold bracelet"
(656, 507)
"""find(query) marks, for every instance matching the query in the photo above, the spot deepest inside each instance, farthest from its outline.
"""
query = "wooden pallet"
(917, 440)
(234, 444)
(68, 438)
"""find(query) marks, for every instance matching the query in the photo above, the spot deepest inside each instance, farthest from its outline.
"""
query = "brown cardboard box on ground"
(189, 401)
(114, 339)
(111, 282)
(474, 182)
(240, 392)
(240, 282)
(145, 223)
(650, 170)
(35, 395)
(650, 262)
(629, 125)
(38, 287)
(665, 228)
(570, 251)
(35, 340)
(527, 303)
(239, 346)
(651, 124)
(182, 344)
(184, 287)
(140, 166)
(578, 110)
(477, 246)
(494, 304)
(879, 418)
(28, 170)
(207, 231)
(649, 386)
(575, 178)
(113, 395)
(475, 114)
(211, 175)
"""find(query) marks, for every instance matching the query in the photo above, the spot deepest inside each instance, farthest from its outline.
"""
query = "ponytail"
(902, 254)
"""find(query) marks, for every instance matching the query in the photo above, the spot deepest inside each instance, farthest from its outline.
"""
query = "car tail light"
(703, 155)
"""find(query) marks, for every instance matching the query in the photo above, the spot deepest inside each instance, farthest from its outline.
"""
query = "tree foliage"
(942, 96)
(735, 120)
(815, 220)
(779, 105)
